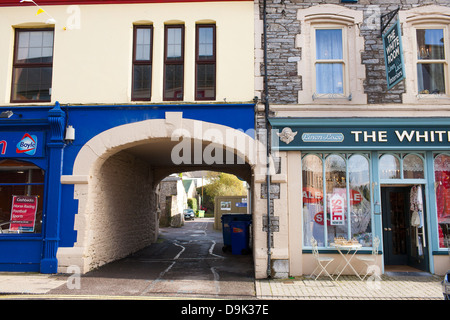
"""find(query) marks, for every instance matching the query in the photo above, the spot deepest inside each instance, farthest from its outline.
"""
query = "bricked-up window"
(32, 65)
(431, 61)
(142, 63)
(329, 61)
(205, 60)
(174, 62)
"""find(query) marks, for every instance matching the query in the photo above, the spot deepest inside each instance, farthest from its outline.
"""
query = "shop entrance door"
(403, 243)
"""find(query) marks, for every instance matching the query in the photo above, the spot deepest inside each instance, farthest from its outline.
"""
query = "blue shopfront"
(393, 174)
(35, 153)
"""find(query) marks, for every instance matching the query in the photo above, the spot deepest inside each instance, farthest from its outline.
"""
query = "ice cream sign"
(21, 144)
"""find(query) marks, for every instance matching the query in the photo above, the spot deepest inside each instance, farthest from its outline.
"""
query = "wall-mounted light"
(70, 134)
(6, 114)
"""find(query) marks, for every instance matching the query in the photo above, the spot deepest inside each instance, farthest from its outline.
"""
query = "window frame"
(346, 157)
(343, 62)
(168, 62)
(445, 62)
(29, 65)
(211, 61)
(142, 62)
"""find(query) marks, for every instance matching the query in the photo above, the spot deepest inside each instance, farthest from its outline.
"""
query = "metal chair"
(372, 259)
(322, 262)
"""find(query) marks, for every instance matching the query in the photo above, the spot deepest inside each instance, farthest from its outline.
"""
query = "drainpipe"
(266, 109)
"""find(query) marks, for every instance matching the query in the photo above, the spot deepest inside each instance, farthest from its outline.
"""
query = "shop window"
(21, 197)
(389, 167)
(347, 196)
(205, 60)
(442, 187)
(174, 63)
(413, 167)
(401, 166)
(142, 63)
(431, 61)
(32, 65)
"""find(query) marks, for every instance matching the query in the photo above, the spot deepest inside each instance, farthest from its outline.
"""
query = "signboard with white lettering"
(364, 136)
(337, 212)
(393, 55)
(23, 213)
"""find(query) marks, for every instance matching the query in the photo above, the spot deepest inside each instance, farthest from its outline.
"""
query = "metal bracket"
(388, 16)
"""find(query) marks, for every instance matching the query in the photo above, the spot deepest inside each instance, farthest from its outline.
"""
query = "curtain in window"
(329, 75)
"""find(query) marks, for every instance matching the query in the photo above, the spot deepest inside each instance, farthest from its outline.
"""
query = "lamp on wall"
(6, 114)
(70, 134)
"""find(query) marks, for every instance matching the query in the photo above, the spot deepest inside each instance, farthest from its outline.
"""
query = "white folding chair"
(322, 262)
(372, 259)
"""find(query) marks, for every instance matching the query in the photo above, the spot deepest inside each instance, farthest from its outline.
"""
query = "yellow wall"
(92, 57)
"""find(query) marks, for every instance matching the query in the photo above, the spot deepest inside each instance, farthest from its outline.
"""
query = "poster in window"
(23, 213)
(337, 210)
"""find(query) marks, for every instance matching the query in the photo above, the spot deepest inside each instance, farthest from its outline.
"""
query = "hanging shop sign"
(23, 213)
(393, 55)
(21, 144)
(361, 134)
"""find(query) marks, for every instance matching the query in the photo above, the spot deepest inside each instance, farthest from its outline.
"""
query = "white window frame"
(430, 17)
(445, 62)
(344, 61)
(328, 16)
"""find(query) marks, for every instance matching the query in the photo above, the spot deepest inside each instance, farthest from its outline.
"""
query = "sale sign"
(337, 211)
(23, 213)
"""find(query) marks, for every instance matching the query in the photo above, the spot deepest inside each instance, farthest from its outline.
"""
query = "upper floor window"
(426, 32)
(205, 60)
(431, 61)
(32, 65)
(142, 63)
(329, 61)
(174, 62)
(330, 65)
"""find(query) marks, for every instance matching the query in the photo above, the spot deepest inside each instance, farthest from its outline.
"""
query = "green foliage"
(192, 203)
(221, 184)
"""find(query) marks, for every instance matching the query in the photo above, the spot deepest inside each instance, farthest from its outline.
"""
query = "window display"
(21, 197)
(347, 188)
(442, 187)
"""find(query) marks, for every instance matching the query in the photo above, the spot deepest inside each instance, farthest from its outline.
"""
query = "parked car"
(188, 214)
(446, 286)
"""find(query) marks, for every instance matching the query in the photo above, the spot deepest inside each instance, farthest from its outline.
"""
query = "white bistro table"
(347, 256)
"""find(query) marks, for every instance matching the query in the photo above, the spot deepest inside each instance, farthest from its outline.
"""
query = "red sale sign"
(337, 210)
(23, 213)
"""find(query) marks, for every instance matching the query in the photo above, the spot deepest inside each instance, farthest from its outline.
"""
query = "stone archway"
(117, 145)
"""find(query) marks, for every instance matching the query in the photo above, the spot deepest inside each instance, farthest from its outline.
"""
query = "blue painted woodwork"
(37, 252)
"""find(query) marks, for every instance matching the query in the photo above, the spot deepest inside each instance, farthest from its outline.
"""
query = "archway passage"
(116, 174)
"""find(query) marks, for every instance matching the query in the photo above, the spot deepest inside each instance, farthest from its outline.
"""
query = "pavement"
(390, 287)
(188, 264)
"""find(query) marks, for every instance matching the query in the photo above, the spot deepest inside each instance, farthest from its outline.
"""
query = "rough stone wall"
(124, 218)
(283, 26)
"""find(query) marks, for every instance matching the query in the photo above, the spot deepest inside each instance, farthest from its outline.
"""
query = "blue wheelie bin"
(226, 228)
(240, 237)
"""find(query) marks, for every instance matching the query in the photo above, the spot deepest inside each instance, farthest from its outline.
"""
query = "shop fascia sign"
(364, 137)
(21, 144)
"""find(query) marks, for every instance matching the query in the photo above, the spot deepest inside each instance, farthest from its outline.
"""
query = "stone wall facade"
(124, 218)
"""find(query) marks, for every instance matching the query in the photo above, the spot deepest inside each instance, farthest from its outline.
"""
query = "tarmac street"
(188, 263)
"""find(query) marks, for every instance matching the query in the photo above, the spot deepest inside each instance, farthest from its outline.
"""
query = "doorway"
(403, 239)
